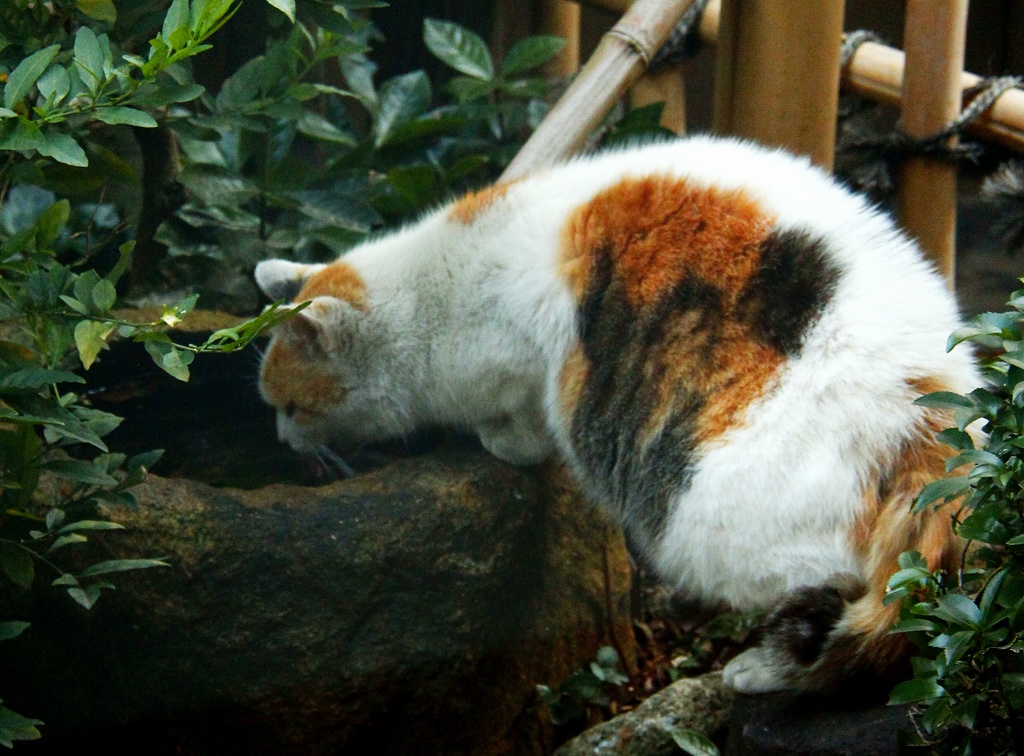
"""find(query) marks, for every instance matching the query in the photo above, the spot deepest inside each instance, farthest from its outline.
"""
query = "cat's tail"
(824, 637)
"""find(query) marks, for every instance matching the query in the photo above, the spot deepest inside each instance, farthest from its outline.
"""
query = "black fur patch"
(793, 284)
(800, 625)
(627, 351)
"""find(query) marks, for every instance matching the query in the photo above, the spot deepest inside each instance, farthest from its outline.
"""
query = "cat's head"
(328, 371)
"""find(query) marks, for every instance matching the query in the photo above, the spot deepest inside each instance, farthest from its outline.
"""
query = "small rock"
(699, 703)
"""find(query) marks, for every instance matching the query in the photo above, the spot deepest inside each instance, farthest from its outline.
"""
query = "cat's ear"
(325, 326)
(282, 279)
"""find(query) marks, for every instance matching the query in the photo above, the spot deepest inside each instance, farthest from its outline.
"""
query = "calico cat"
(722, 342)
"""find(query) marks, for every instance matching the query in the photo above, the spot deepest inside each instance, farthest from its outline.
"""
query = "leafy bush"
(585, 688)
(970, 627)
(62, 92)
(302, 155)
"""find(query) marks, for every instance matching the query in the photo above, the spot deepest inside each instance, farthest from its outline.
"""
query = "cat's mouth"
(332, 461)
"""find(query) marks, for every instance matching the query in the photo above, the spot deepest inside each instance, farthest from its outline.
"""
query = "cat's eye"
(289, 409)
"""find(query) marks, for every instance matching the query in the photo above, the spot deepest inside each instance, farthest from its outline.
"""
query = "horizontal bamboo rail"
(876, 72)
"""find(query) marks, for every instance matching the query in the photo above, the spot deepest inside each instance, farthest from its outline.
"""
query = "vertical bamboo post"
(561, 19)
(777, 76)
(934, 45)
(665, 85)
(620, 58)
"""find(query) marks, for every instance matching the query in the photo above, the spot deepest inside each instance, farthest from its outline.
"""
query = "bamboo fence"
(777, 91)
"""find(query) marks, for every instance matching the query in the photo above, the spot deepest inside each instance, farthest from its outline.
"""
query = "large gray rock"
(411, 610)
(701, 704)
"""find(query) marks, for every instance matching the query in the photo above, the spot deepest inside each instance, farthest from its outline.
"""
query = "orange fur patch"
(740, 373)
(572, 380)
(887, 527)
(660, 230)
(466, 210)
(339, 279)
(288, 376)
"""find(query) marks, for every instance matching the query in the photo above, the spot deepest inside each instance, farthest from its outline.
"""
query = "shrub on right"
(968, 682)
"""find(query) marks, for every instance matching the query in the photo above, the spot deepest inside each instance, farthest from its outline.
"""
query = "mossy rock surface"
(410, 610)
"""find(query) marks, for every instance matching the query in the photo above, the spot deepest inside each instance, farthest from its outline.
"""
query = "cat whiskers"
(333, 462)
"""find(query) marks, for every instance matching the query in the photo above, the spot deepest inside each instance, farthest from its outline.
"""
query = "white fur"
(471, 325)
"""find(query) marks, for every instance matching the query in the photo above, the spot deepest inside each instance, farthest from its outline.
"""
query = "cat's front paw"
(515, 443)
(755, 671)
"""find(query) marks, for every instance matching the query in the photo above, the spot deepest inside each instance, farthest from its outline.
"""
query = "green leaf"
(35, 378)
(460, 48)
(64, 149)
(80, 471)
(941, 490)
(90, 337)
(287, 7)
(86, 596)
(913, 625)
(177, 17)
(316, 126)
(944, 399)
(55, 84)
(25, 74)
(90, 525)
(693, 742)
(13, 629)
(13, 727)
(530, 53)
(101, 10)
(51, 223)
(466, 88)
(17, 564)
(119, 114)
(121, 565)
(959, 609)
(918, 689)
(402, 99)
(1012, 680)
(104, 295)
(88, 58)
(958, 439)
(171, 359)
(67, 540)
(25, 135)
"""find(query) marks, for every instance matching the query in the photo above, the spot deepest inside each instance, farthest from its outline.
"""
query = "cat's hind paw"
(756, 670)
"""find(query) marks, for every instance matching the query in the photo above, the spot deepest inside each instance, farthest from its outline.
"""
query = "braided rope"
(684, 41)
(898, 145)
(852, 42)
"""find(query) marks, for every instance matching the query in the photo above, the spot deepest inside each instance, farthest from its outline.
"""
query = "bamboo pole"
(561, 19)
(777, 73)
(934, 40)
(619, 60)
(665, 85)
